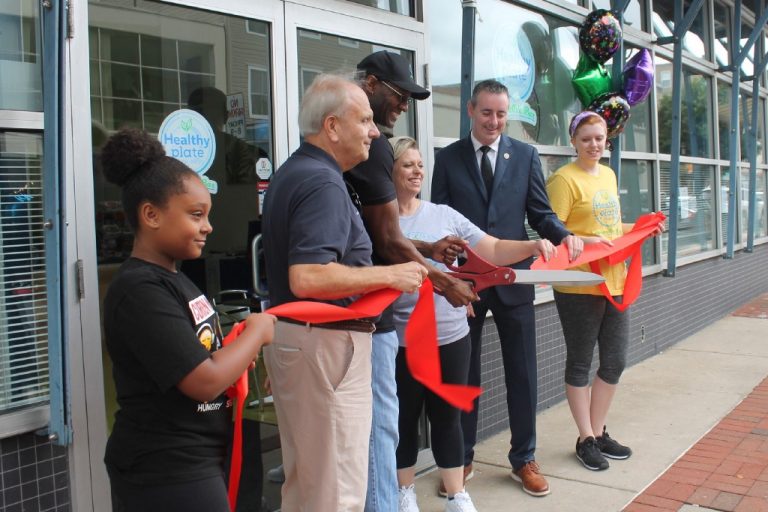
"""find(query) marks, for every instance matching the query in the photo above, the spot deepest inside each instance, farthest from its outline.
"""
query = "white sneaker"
(461, 502)
(406, 499)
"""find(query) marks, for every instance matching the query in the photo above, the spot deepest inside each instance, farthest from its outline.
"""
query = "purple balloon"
(638, 77)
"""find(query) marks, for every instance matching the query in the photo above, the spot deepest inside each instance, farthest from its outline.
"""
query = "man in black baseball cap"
(388, 82)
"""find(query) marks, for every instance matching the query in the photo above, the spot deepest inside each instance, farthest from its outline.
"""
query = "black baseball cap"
(393, 68)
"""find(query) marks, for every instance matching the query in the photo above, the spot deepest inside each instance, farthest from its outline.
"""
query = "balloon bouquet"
(599, 38)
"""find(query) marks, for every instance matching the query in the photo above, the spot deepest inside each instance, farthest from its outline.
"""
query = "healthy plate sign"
(187, 136)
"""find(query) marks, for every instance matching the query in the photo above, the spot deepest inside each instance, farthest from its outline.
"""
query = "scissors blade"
(557, 277)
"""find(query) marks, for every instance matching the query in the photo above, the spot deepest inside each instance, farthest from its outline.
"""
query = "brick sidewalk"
(727, 469)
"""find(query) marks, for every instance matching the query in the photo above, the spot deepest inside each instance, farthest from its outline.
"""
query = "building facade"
(71, 77)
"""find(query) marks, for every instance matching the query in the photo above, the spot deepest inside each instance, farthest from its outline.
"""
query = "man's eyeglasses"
(401, 96)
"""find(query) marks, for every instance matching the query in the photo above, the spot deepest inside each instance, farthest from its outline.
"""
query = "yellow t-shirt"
(589, 206)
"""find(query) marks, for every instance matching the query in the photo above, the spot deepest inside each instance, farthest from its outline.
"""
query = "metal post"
(469, 8)
(674, 170)
(738, 56)
(759, 70)
(733, 135)
(59, 427)
(682, 24)
(619, 59)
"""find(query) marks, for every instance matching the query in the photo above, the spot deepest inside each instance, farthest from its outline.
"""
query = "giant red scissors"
(484, 274)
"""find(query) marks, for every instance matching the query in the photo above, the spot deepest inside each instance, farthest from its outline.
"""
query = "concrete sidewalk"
(663, 406)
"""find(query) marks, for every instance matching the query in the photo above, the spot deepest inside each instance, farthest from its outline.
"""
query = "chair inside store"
(234, 305)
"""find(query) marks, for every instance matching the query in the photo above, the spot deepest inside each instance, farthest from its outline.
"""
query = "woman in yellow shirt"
(584, 195)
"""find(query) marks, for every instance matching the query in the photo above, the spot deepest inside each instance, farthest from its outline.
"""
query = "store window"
(745, 127)
(636, 194)
(23, 297)
(533, 54)
(397, 6)
(696, 112)
(696, 212)
(637, 132)
(20, 58)
(722, 39)
(724, 118)
(663, 20)
(326, 53)
(760, 226)
(633, 15)
(154, 59)
(725, 187)
(748, 65)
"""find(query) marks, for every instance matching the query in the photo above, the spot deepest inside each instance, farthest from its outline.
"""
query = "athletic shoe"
(406, 499)
(533, 481)
(612, 448)
(461, 502)
(468, 474)
(589, 454)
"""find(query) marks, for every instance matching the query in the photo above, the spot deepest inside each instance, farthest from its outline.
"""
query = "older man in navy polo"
(316, 247)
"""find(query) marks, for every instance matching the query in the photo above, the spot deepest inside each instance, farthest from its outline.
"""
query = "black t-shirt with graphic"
(159, 327)
(372, 181)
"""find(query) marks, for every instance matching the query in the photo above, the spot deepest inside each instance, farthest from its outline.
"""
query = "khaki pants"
(321, 381)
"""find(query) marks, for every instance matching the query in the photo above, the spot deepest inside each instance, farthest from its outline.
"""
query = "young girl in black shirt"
(166, 451)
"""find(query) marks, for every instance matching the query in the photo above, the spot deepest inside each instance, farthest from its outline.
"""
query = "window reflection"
(636, 195)
(20, 59)
(696, 112)
(663, 21)
(533, 54)
(397, 6)
(223, 72)
(760, 226)
(724, 118)
(633, 15)
(725, 187)
(327, 53)
(722, 22)
(637, 131)
(696, 207)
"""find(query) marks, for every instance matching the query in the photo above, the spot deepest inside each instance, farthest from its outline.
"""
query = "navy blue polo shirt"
(309, 218)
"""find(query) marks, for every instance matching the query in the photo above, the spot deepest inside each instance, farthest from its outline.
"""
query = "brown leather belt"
(342, 325)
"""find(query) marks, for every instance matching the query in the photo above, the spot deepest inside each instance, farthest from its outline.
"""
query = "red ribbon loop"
(624, 247)
(422, 355)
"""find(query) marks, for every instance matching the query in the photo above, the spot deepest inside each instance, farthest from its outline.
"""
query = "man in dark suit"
(495, 182)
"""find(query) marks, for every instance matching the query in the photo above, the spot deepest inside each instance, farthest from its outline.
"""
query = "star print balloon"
(614, 109)
(600, 35)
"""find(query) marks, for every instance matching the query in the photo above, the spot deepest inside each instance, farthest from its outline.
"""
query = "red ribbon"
(237, 391)
(624, 247)
(422, 355)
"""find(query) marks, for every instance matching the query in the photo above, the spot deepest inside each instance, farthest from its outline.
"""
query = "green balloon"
(590, 80)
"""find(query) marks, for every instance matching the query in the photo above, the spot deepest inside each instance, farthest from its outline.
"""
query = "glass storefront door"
(244, 69)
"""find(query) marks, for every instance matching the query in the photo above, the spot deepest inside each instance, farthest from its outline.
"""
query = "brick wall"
(668, 311)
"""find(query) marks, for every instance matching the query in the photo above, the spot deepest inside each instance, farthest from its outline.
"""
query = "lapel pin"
(506, 156)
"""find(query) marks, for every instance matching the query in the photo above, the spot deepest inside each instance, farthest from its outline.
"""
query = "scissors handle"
(475, 264)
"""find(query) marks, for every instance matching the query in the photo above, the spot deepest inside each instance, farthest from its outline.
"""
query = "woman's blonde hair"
(402, 144)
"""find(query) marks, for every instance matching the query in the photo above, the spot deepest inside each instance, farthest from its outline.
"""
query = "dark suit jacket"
(518, 189)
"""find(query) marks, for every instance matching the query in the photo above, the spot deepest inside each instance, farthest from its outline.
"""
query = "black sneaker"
(589, 454)
(611, 448)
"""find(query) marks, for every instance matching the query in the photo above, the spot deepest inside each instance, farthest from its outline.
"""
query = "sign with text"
(236, 115)
(188, 137)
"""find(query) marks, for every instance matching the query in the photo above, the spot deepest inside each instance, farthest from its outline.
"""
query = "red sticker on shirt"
(200, 308)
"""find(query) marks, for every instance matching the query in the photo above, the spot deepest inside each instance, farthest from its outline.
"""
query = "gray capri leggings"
(587, 319)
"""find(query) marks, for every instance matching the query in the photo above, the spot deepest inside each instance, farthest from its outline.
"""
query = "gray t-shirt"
(430, 223)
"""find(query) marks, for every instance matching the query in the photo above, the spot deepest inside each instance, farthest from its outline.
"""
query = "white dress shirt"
(492, 154)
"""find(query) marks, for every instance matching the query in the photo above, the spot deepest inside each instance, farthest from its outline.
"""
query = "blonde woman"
(425, 221)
